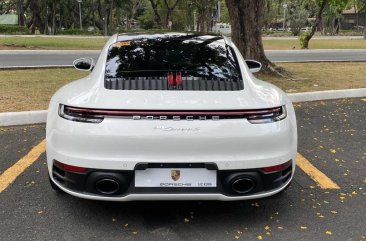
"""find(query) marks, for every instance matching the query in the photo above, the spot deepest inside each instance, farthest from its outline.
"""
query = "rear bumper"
(83, 185)
(175, 197)
(117, 144)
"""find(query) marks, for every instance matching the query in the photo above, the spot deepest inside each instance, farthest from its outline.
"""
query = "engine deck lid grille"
(161, 83)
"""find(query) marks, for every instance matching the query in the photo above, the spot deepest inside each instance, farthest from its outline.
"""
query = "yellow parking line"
(9, 176)
(320, 178)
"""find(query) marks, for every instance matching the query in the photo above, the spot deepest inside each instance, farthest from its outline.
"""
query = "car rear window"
(203, 63)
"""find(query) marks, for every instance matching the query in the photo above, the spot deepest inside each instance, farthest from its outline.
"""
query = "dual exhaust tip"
(239, 185)
(107, 186)
(242, 185)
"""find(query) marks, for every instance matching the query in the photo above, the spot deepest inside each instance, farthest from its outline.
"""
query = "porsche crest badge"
(175, 174)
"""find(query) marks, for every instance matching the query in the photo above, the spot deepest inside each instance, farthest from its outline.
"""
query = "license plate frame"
(176, 178)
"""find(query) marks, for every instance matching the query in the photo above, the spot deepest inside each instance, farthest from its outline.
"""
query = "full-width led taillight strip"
(172, 113)
(256, 116)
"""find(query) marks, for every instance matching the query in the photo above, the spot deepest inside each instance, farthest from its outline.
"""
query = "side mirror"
(84, 64)
(254, 66)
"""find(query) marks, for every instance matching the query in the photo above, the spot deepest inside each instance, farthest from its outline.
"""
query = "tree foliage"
(109, 16)
(298, 18)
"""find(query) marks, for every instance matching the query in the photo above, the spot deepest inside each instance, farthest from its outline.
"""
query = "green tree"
(204, 13)
(246, 17)
(166, 8)
(224, 13)
(320, 6)
(297, 17)
(333, 14)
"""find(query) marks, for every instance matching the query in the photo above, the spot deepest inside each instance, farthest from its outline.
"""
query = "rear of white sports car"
(170, 117)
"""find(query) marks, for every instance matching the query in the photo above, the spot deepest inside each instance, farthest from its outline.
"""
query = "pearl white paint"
(119, 144)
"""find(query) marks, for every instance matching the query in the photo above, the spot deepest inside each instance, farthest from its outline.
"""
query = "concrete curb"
(23, 118)
(40, 116)
(327, 95)
(53, 51)
(36, 67)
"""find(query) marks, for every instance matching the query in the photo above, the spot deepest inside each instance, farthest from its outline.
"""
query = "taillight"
(254, 116)
(277, 168)
(69, 168)
(178, 78)
(79, 114)
(267, 116)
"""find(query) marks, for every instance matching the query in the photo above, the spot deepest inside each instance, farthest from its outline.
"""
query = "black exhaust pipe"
(243, 185)
(108, 186)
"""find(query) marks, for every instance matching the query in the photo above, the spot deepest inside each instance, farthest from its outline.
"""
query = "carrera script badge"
(175, 174)
(169, 128)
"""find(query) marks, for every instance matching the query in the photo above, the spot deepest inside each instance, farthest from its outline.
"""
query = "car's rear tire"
(54, 186)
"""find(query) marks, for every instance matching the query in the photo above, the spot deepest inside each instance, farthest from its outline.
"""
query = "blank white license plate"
(175, 177)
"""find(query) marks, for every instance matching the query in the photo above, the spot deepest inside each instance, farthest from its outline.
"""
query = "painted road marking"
(9, 176)
(320, 178)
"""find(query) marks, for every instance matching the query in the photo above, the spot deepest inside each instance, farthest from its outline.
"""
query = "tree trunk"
(93, 16)
(36, 21)
(157, 17)
(356, 14)
(338, 25)
(318, 19)
(104, 16)
(53, 30)
(204, 8)
(19, 11)
(169, 11)
(110, 17)
(204, 19)
(246, 17)
(46, 17)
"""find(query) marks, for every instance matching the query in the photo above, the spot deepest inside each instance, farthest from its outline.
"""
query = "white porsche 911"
(173, 116)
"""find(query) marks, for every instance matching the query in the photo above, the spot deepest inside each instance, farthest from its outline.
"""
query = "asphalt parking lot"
(332, 137)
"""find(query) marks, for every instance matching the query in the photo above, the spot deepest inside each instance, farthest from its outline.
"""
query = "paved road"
(65, 58)
(99, 37)
(331, 135)
(27, 58)
(317, 55)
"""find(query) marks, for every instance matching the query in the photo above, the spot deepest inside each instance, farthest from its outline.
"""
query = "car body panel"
(175, 197)
(120, 144)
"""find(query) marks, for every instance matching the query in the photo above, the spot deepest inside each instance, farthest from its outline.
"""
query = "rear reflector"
(69, 168)
(277, 168)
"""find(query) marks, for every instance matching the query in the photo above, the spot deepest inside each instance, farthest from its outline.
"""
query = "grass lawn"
(320, 76)
(51, 43)
(283, 44)
(97, 43)
(22, 90)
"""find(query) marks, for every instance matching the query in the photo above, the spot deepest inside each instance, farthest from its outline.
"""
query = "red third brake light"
(277, 168)
(171, 79)
(178, 78)
(69, 168)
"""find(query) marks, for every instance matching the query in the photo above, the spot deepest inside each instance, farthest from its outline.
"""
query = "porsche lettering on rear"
(175, 118)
